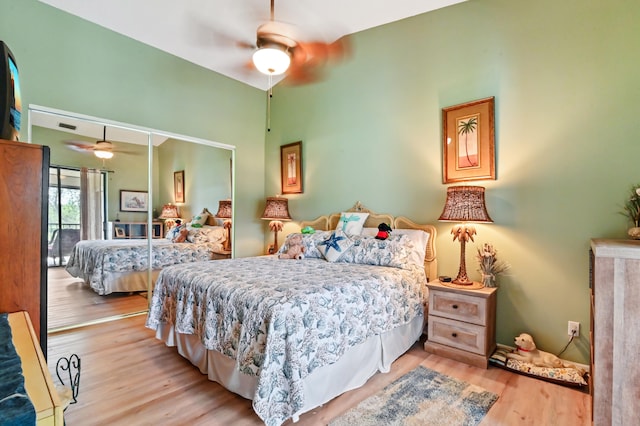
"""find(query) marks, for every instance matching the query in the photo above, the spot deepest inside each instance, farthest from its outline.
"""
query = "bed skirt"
(126, 282)
(351, 371)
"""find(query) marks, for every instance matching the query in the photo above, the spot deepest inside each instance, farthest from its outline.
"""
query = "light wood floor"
(129, 377)
(71, 301)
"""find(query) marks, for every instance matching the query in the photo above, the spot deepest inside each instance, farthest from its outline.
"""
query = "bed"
(114, 266)
(292, 334)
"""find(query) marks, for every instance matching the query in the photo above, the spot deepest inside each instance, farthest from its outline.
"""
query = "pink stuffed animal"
(296, 248)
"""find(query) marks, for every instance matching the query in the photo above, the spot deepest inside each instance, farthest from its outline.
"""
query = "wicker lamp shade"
(169, 211)
(277, 208)
(465, 204)
(224, 209)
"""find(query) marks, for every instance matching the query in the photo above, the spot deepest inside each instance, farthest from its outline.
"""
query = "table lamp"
(276, 210)
(169, 214)
(224, 213)
(464, 204)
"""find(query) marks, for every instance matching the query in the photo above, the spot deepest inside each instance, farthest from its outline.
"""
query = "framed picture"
(468, 141)
(291, 168)
(120, 232)
(178, 187)
(134, 201)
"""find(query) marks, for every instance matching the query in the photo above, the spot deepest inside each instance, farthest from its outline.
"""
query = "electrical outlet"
(573, 329)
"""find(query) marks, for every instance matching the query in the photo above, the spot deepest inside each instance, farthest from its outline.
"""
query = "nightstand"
(461, 323)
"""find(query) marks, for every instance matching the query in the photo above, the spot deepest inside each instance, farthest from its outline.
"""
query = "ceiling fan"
(278, 50)
(102, 148)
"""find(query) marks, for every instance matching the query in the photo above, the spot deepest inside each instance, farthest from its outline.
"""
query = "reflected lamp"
(169, 214)
(224, 213)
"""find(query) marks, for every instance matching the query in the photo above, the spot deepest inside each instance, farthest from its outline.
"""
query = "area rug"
(422, 397)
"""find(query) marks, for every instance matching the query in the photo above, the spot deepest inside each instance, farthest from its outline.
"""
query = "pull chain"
(269, 96)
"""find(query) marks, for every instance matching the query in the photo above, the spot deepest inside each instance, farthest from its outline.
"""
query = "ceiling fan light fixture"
(272, 59)
(105, 155)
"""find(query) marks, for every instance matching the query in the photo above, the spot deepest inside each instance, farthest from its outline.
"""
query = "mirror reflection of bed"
(71, 302)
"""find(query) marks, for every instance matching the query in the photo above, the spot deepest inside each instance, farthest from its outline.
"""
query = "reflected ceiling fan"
(102, 149)
(278, 50)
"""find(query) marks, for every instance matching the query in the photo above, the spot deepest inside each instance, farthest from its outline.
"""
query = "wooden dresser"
(24, 177)
(462, 323)
(37, 379)
(615, 331)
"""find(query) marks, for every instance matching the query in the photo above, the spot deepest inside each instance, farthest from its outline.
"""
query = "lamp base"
(462, 281)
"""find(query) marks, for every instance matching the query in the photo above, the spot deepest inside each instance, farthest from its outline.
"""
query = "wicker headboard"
(329, 222)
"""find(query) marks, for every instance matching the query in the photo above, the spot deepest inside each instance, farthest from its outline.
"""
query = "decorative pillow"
(351, 223)
(199, 220)
(394, 251)
(419, 237)
(207, 234)
(310, 242)
(337, 244)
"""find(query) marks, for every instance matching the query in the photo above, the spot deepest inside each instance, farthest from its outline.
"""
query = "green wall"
(207, 176)
(70, 64)
(565, 78)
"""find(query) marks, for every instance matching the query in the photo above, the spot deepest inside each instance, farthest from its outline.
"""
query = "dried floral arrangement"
(631, 208)
(490, 265)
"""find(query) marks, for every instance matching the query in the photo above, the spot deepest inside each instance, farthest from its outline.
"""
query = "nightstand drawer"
(458, 306)
(460, 335)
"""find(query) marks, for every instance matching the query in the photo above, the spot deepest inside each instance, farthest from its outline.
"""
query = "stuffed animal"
(308, 230)
(383, 231)
(181, 235)
(296, 248)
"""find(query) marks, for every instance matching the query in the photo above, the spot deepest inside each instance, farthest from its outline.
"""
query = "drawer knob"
(454, 306)
(454, 334)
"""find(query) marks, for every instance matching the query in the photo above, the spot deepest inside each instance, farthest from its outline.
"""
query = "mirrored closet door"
(113, 202)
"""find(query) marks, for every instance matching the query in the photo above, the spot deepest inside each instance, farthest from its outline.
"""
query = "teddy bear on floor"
(296, 248)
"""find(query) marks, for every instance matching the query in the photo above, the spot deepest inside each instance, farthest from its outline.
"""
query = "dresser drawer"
(461, 335)
(458, 306)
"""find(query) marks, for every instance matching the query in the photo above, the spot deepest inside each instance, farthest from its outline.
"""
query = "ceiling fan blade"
(310, 59)
(79, 146)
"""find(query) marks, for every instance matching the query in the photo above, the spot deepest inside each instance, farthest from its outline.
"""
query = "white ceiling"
(205, 32)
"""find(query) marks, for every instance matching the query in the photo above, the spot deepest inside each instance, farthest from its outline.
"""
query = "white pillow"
(419, 237)
(207, 234)
(335, 246)
(199, 220)
(420, 240)
(351, 223)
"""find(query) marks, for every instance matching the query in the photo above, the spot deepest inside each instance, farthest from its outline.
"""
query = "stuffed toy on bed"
(383, 231)
(295, 250)
(181, 235)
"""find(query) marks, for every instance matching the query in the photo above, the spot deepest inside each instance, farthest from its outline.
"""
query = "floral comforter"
(97, 260)
(282, 319)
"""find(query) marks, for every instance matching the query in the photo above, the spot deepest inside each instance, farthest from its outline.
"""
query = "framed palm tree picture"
(468, 139)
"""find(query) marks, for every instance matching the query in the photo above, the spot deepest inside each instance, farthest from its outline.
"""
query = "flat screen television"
(10, 98)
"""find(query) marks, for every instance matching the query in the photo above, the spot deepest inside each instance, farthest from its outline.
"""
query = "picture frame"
(120, 232)
(134, 201)
(291, 168)
(178, 187)
(468, 141)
